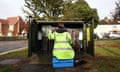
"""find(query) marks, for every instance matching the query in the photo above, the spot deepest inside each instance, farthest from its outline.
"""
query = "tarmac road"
(11, 45)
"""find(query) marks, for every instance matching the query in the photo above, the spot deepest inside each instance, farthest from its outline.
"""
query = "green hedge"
(12, 38)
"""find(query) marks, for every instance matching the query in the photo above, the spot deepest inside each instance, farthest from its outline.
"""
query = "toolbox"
(58, 63)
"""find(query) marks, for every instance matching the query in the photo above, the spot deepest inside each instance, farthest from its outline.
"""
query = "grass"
(4, 68)
(14, 67)
(109, 52)
(107, 57)
(16, 54)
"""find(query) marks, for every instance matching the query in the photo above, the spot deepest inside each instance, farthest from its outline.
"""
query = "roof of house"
(13, 20)
(3, 21)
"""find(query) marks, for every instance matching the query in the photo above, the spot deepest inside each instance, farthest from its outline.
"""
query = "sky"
(10, 8)
(104, 7)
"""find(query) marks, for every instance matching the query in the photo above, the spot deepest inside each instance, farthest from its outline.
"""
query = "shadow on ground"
(48, 68)
(83, 66)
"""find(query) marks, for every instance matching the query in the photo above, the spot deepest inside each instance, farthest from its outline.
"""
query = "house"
(103, 29)
(3, 27)
(25, 29)
(12, 26)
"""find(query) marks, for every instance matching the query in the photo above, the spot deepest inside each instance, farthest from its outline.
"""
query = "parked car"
(98, 36)
(114, 35)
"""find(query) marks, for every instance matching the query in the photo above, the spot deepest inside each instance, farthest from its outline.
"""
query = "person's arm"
(51, 36)
(70, 38)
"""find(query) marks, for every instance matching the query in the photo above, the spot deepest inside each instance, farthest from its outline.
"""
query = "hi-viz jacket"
(62, 44)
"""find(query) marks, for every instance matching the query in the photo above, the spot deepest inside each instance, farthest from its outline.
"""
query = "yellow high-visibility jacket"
(62, 45)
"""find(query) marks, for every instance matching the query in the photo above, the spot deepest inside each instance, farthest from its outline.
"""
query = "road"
(11, 45)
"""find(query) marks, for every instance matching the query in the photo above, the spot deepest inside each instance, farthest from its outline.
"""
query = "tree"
(116, 13)
(48, 9)
(106, 20)
(61, 10)
(80, 11)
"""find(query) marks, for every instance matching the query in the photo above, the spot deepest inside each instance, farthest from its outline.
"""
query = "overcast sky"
(10, 8)
(13, 7)
(104, 7)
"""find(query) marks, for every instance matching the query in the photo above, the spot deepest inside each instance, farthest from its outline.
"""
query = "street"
(11, 45)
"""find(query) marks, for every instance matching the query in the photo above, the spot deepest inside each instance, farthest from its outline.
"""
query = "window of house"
(9, 34)
(11, 27)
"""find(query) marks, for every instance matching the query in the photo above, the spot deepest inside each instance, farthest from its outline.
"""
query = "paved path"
(11, 45)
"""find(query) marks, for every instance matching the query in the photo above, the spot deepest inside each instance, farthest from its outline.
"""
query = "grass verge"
(14, 55)
(107, 57)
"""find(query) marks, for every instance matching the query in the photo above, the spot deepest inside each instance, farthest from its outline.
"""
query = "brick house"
(3, 27)
(12, 26)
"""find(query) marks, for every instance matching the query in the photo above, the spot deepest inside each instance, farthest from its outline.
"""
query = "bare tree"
(116, 13)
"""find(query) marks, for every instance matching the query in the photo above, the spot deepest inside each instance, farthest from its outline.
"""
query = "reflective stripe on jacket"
(62, 46)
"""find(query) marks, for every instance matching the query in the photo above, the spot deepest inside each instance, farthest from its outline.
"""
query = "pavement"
(11, 45)
(9, 61)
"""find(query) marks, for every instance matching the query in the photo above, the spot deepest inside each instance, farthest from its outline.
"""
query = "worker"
(62, 48)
